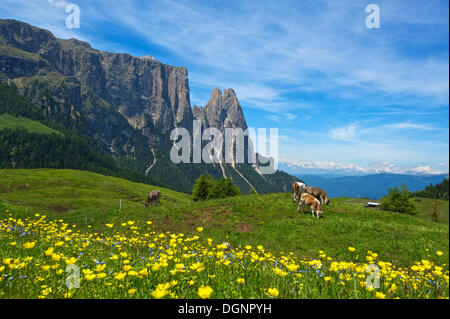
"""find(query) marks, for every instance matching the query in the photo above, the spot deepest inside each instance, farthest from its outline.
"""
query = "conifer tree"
(434, 213)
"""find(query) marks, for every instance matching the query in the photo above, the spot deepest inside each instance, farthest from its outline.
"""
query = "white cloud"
(294, 56)
(345, 133)
(426, 169)
(259, 53)
(59, 4)
(410, 126)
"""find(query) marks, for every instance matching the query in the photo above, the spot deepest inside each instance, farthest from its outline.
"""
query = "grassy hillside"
(18, 122)
(271, 220)
(423, 206)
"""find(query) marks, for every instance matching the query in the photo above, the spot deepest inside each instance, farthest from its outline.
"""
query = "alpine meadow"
(225, 150)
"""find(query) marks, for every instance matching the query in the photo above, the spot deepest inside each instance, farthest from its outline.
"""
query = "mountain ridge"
(129, 104)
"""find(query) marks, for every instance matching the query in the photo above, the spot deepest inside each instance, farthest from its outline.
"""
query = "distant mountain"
(128, 105)
(371, 186)
(306, 167)
(327, 169)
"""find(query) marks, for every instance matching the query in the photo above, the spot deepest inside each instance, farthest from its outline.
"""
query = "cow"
(318, 193)
(297, 189)
(153, 196)
(311, 201)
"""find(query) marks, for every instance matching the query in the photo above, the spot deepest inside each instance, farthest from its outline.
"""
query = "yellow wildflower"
(205, 292)
(273, 292)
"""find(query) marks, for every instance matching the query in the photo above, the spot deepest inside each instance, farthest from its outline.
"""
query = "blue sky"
(341, 95)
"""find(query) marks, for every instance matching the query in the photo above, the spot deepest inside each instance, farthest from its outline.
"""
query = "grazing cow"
(311, 201)
(318, 193)
(297, 189)
(153, 196)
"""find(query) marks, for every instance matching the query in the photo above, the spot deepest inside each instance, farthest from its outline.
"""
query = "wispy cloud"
(345, 133)
(309, 65)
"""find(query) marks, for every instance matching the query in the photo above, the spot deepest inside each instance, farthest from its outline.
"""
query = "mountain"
(28, 139)
(370, 186)
(128, 105)
(221, 111)
(325, 168)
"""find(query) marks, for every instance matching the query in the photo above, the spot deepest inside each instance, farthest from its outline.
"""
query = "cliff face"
(221, 111)
(129, 104)
(133, 86)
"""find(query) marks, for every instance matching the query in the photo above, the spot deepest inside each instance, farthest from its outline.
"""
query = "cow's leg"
(300, 207)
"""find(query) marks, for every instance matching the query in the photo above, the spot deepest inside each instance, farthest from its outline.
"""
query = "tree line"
(20, 148)
(438, 191)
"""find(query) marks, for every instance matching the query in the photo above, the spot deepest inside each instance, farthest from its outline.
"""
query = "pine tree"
(229, 189)
(217, 190)
(434, 213)
(201, 187)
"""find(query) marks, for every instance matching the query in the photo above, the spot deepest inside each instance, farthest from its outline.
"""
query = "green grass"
(12, 122)
(423, 206)
(270, 220)
(18, 53)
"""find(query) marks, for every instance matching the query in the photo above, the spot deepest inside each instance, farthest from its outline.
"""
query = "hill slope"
(13, 122)
(271, 220)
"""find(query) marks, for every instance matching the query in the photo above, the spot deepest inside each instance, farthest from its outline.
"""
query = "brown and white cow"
(318, 193)
(311, 201)
(153, 196)
(297, 189)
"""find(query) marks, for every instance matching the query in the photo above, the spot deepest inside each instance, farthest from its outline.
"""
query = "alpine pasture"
(50, 219)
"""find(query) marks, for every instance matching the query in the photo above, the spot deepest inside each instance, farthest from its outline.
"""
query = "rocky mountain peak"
(221, 111)
(128, 104)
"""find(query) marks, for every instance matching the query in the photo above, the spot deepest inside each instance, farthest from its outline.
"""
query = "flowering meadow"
(42, 258)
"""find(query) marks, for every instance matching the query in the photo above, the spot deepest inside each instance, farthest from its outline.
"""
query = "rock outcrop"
(134, 86)
(128, 104)
(221, 111)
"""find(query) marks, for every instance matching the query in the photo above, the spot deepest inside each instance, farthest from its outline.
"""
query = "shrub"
(206, 187)
(202, 187)
(398, 201)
